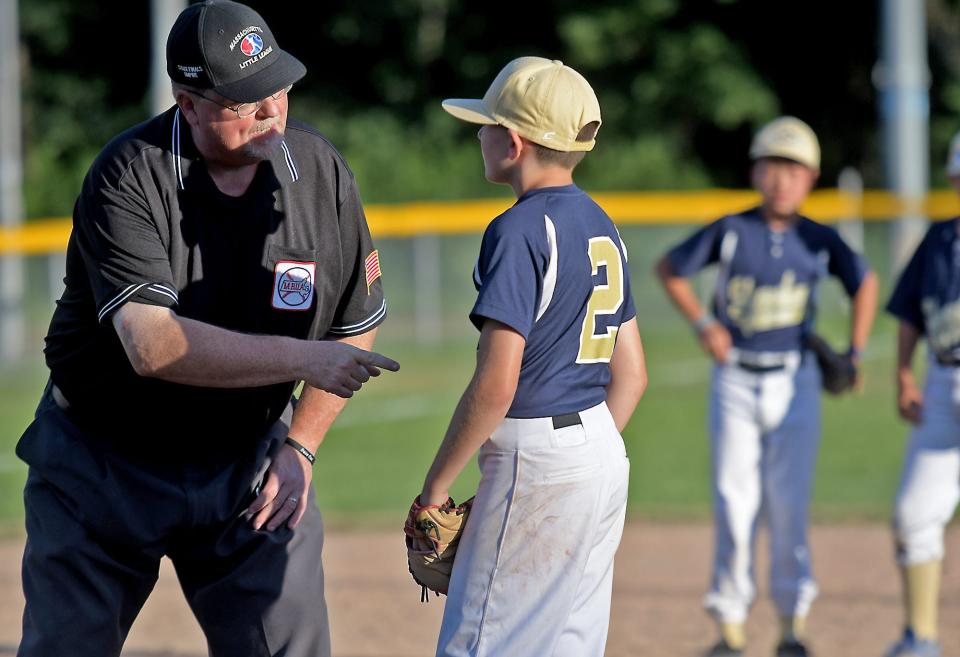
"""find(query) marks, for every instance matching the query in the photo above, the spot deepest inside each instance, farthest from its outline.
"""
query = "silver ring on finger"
(292, 499)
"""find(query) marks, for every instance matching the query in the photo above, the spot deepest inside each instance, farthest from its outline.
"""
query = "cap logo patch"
(251, 45)
(293, 285)
(242, 33)
(260, 53)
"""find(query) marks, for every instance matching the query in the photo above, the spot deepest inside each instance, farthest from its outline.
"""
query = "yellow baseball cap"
(790, 138)
(543, 100)
(953, 158)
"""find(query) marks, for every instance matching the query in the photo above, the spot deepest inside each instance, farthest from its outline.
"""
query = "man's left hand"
(283, 497)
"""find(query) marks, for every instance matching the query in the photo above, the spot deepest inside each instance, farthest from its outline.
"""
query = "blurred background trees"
(682, 84)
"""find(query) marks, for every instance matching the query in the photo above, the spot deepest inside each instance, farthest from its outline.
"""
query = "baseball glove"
(432, 535)
(837, 371)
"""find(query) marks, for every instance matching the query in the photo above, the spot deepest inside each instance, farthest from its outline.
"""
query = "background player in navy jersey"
(560, 368)
(926, 300)
(764, 417)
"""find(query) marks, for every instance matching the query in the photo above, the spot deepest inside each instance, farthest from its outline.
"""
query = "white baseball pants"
(764, 433)
(534, 569)
(930, 481)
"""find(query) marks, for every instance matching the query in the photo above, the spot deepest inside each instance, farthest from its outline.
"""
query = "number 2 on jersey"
(605, 299)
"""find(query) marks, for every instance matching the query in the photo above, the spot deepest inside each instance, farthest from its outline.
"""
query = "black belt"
(948, 360)
(760, 369)
(567, 420)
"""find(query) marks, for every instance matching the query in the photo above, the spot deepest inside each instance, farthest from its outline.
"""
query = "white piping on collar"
(175, 149)
(178, 168)
(294, 175)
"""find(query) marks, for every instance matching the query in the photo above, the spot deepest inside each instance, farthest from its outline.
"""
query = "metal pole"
(12, 330)
(427, 289)
(850, 226)
(163, 13)
(903, 79)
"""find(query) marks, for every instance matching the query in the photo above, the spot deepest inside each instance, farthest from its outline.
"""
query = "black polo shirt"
(290, 257)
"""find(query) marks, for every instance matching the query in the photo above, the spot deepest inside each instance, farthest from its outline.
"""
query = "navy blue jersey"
(927, 294)
(766, 286)
(554, 269)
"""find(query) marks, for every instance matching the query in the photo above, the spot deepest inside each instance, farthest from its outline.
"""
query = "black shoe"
(721, 649)
(792, 648)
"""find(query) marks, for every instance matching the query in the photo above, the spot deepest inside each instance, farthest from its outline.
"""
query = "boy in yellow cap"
(764, 418)
(560, 368)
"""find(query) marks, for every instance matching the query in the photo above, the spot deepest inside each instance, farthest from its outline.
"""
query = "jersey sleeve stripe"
(133, 289)
(550, 278)
(125, 294)
(362, 326)
(163, 289)
(728, 248)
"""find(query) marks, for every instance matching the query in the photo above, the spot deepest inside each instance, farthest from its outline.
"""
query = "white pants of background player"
(534, 569)
(930, 482)
(764, 432)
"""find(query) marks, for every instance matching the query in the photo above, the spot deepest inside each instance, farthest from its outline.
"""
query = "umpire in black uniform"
(219, 255)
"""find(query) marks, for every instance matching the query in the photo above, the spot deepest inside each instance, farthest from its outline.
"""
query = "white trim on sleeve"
(124, 294)
(130, 290)
(361, 326)
(164, 290)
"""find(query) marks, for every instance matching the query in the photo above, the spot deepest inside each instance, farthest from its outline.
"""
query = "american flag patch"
(372, 265)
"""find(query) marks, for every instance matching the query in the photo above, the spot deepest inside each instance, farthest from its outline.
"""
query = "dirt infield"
(660, 577)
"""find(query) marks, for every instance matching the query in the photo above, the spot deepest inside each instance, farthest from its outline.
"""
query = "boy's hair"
(566, 159)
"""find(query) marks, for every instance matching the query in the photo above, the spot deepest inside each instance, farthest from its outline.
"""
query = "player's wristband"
(307, 454)
(703, 322)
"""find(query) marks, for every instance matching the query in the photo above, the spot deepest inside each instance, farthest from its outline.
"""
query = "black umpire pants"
(98, 525)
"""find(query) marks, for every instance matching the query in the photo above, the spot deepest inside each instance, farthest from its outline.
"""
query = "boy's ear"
(517, 144)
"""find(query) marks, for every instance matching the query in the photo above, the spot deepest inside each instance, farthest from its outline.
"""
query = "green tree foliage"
(683, 84)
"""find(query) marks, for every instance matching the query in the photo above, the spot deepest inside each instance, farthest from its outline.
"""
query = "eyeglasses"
(244, 110)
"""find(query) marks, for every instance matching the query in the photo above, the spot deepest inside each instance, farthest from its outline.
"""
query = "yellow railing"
(451, 217)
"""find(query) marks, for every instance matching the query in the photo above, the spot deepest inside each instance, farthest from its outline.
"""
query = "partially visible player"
(560, 368)
(764, 417)
(926, 300)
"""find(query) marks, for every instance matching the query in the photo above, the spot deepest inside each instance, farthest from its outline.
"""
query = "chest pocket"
(292, 295)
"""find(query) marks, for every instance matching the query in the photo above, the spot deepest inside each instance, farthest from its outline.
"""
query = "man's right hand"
(341, 369)
(716, 341)
(909, 400)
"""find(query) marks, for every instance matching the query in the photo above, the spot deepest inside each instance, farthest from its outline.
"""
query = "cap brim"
(786, 155)
(285, 70)
(472, 110)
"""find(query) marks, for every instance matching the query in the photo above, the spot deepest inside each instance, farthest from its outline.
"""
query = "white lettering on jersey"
(755, 308)
(943, 324)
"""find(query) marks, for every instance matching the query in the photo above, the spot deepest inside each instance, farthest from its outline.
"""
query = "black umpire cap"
(227, 47)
